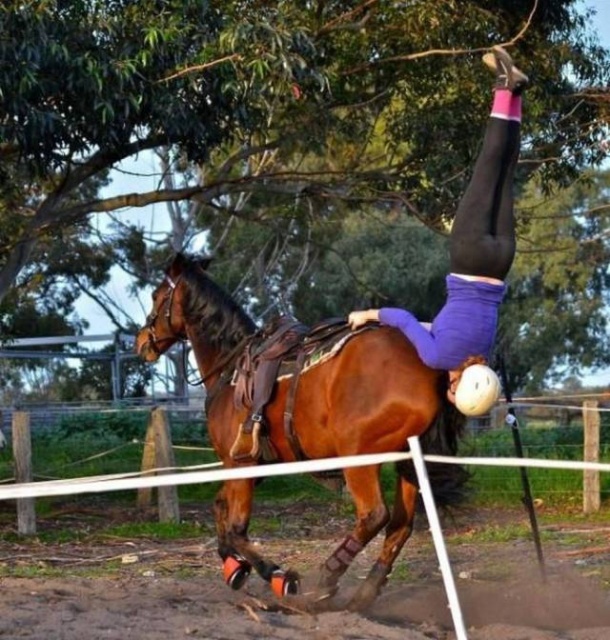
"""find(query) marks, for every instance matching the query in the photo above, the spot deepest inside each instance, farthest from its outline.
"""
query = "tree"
(554, 322)
(283, 116)
(94, 376)
(295, 92)
(377, 261)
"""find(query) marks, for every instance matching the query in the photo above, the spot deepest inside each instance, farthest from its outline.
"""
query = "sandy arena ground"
(146, 589)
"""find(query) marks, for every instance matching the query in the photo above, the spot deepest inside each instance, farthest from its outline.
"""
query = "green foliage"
(561, 443)
(554, 320)
(295, 114)
(353, 261)
(106, 427)
(377, 261)
(113, 59)
(118, 426)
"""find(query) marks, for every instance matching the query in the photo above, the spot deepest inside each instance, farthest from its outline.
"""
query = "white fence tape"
(541, 463)
(56, 488)
(549, 405)
(100, 484)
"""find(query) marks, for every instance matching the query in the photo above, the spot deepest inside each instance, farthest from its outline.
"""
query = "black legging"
(482, 239)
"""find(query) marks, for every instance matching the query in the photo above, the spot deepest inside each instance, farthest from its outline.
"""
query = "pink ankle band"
(501, 106)
(514, 112)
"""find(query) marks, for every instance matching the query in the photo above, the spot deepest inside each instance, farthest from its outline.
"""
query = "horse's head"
(165, 324)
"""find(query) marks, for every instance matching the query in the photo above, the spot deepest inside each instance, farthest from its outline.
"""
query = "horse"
(366, 398)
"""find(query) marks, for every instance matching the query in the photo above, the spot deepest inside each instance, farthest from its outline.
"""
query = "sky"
(135, 175)
(601, 21)
(141, 175)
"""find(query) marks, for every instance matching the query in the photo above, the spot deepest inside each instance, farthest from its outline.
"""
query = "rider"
(481, 251)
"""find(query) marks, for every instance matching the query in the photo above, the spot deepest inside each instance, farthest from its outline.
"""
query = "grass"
(74, 449)
(493, 534)
(555, 487)
(159, 530)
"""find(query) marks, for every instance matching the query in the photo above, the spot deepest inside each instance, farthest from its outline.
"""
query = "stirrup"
(246, 447)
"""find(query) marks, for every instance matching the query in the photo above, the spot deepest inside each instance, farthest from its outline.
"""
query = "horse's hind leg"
(397, 533)
(372, 514)
(232, 510)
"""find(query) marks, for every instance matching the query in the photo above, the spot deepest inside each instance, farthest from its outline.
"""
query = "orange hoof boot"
(236, 571)
(284, 583)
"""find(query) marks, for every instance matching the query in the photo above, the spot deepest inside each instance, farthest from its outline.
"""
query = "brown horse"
(367, 398)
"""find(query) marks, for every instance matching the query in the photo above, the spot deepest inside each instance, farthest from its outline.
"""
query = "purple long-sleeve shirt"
(465, 326)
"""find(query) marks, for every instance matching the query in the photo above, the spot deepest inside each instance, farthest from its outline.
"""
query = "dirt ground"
(110, 587)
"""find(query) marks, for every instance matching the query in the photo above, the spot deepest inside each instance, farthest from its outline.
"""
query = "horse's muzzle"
(145, 348)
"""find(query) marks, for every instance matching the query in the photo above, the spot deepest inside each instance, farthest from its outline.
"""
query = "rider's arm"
(418, 334)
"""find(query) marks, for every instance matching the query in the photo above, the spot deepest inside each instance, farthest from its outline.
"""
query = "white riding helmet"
(477, 391)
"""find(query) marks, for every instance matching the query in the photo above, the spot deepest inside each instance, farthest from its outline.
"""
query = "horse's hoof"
(357, 605)
(285, 583)
(326, 594)
(236, 571)
(324, 602)
(363, 598)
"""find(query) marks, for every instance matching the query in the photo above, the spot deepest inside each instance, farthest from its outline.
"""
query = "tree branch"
(200, 67)
(442, 52)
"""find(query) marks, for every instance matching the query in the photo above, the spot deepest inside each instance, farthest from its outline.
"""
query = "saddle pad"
(322, 351)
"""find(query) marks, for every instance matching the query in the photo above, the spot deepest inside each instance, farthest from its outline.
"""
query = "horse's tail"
(449, 482)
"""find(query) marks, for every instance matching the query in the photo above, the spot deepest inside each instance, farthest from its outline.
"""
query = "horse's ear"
(180, 261)
(205, 262)
(177, 263)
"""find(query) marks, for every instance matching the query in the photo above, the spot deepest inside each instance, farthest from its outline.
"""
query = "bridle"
(153, 340)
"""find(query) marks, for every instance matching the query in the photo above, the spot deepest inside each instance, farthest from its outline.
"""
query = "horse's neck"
(211, 361)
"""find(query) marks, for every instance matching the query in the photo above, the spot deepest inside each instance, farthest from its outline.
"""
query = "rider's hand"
(358, 318)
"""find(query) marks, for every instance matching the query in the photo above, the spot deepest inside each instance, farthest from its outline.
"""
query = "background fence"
(76, 440)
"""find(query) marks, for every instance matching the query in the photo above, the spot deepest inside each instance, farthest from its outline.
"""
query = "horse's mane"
(212, 310)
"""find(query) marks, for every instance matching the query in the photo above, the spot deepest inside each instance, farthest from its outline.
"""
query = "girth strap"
(289, 431)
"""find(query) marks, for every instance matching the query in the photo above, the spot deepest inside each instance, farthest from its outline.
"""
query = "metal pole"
(117, 369)
(437, 536)
(513, 423)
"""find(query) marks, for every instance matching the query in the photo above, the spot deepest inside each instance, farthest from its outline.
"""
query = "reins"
(218, 367)
(223, 361)
(166, 307)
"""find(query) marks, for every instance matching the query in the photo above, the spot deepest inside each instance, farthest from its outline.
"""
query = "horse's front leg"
(371, 513)
(397, 533)
(232, 511)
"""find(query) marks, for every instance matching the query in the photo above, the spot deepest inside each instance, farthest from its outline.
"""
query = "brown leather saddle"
(284, 349)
